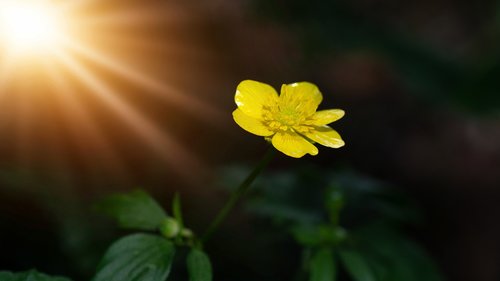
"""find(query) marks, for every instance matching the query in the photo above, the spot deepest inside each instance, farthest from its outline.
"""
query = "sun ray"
(120, 42)
(130, 12)
(84, 121)
(24, 129)
(75, 5)
(128, 17)
(6, 67)
(195, 106)
(181, 160)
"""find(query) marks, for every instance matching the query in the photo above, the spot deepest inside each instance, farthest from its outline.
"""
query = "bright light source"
(29, 25)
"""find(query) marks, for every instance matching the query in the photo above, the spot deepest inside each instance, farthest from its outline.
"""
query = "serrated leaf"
(31, 275)
(323, 267)
(138, 257)
(134, 210)
(199, 266)
(356, 265)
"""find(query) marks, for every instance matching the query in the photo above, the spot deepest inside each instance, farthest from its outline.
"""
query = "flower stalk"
(238, 194)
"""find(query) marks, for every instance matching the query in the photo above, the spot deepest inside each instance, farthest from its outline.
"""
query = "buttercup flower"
(290, 121)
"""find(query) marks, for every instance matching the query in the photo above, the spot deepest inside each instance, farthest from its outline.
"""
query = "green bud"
(169, 228)
(340, 234)
(186, 233)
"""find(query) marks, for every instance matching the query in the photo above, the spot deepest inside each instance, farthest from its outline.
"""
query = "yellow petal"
(303, 97)
(251, 124)
(328, 116)
(251, 96)
(293, 144)
(326, 136)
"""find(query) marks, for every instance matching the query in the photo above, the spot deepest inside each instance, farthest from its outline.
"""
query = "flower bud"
(186, 233)
(169, 228)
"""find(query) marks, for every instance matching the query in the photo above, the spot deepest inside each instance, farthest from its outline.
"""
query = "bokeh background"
(418, 81)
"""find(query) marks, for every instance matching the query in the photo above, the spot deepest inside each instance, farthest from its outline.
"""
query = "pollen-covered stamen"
(267, 113)
(303, 129)
(285, 119)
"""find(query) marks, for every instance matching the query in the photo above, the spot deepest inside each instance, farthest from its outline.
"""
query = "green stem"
(235, 197)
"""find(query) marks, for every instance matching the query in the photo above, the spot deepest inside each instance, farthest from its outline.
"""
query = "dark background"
(418, 81)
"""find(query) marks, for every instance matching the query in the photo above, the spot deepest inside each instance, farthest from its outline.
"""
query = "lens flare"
(81, 74)
(30, 26)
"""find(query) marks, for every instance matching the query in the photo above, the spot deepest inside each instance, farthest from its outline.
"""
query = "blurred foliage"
(323, 266)
(70, 231)
(31, 275)
(342, 217)
(326, 27)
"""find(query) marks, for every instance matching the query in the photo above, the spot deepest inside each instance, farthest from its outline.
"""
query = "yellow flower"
(290, 121)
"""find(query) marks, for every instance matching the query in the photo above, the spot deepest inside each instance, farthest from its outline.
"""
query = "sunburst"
(30, 26)
(54, 41)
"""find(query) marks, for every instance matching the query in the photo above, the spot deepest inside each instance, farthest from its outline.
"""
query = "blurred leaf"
(136, 210)
(138, 257)
(280, 196)
(307, 235)
(367, 199)
(323, 267)
(406, 260)
(356, 265)
(314, 235)
(282, 212)
(31, 275)
(286, 198)
(199, 266)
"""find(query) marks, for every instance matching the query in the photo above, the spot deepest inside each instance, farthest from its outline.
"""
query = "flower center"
(285, 119)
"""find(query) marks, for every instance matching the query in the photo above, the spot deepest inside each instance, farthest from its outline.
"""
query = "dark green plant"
(347, 225)
(149, 256)
(31, 275)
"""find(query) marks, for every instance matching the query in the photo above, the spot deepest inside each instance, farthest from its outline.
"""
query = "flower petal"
(293, 144)
(251, 96)
(324, 117)
(251, 124)
(326, 136)
(303, 97)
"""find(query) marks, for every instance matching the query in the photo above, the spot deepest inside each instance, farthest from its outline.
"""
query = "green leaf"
(323, 266)
(356, 265)
(199, 266)
(31, 275)
(307, 235)
(314, 235)
(135, 210)
(138, 257)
